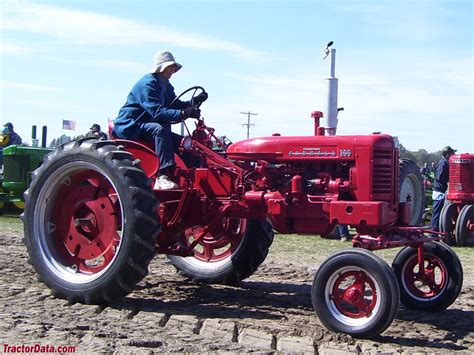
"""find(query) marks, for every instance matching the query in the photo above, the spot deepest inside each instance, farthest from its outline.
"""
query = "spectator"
(3, 143)
(440, 185)
(424, 170)
(96, 132)
(343, 232)
(14, 138)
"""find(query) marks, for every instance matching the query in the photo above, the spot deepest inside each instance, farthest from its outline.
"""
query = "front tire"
(412, 189)
(90, 222)
(438, 286)
(447, 222)
(355, 292)
(229, 257)
(464, 227)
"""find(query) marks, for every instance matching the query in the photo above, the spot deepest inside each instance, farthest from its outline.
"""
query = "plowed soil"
(269, 312)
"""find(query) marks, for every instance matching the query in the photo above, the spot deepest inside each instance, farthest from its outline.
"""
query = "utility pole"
(248, 124)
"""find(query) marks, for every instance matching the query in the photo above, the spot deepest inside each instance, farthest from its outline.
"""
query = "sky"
(405, 68)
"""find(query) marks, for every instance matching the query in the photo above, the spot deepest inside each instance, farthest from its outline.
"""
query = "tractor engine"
(461, 178)
(310, 184)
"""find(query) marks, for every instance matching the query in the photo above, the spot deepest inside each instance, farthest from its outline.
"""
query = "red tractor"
(457, 217)
(93, 221)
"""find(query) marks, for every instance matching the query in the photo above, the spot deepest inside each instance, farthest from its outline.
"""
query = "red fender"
(149, 161)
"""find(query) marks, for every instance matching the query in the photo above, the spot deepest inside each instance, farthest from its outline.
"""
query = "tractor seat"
(111, 129)
(113, 136)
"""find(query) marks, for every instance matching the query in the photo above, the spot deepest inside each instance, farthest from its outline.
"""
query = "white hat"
(163, 60)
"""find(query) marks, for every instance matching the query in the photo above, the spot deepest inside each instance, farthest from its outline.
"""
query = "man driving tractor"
(149, 111)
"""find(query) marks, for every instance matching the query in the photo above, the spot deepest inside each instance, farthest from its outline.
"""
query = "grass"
(11, 224)
(302, 249)
(291, 248)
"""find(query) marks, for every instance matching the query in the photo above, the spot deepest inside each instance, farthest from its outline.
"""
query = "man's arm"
(152, 101)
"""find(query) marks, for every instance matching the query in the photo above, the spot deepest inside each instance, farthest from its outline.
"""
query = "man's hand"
(199, 99)
(191, 112)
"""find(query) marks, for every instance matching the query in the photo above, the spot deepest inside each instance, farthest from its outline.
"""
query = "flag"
(69, 125)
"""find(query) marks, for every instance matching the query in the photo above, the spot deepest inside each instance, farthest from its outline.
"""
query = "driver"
(147, 115)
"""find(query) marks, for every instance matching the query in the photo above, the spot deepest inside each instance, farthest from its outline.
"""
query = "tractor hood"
(281, 148)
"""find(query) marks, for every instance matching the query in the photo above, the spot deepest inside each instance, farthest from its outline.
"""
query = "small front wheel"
(465, 227)
(447, 222)
(355, 292)
(434, 287)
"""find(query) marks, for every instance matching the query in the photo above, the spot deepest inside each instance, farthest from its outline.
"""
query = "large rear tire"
(228, 257)
(355, 292)
(90, 222)
(412, 189)
(438, 286)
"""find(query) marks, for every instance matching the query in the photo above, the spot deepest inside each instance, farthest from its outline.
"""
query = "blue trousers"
(437, 207)
(166, 142)
(343, 230)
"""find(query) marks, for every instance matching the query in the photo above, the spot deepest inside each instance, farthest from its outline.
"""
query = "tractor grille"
(383, 172)
(461, 177)
(17, 170)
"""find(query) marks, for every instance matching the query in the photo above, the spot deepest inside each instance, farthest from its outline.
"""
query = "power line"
(248, 124)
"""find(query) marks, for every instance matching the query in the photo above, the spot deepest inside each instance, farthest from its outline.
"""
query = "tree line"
(421, 156)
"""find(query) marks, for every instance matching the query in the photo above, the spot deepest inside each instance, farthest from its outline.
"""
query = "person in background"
(344, 232)
(95, 132)
(440, 185)
(424, 170)
(8, 137)
(147, 115)
(14, 138)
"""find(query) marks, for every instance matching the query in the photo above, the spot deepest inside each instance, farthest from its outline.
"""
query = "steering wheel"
(195, 89)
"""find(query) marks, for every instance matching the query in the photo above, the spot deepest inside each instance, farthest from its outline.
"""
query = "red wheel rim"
(218, 244)
(427, 284)
(354, 294)
(86, 219)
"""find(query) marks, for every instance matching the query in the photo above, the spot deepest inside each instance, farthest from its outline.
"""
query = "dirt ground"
(269, 312)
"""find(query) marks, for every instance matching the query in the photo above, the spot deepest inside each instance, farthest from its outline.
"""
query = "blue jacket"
(147, 102)
(14, 139)
(441, 176)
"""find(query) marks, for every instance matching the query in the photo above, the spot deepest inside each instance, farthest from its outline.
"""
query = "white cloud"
(413, 100)
(92, 28)
(122, 65)
(26, 86)
(9, 48)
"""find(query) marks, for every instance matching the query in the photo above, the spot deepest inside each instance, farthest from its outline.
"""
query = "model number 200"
(345, 153)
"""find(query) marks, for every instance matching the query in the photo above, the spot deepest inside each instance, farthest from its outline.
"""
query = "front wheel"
(465, 227)
(447, 222)
(355, 292)
(229, 256)
(89, 221)
(412, 190)
(436, 285)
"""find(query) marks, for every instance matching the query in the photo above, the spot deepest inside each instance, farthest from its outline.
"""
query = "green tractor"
(19, 162)
(428, 180)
